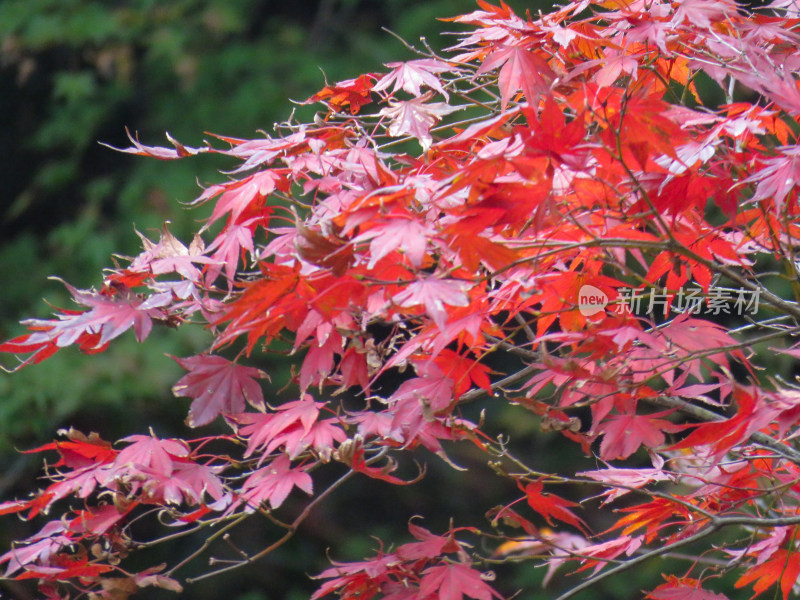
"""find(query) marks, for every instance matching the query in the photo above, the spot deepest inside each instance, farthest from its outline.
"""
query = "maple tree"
(603, 196)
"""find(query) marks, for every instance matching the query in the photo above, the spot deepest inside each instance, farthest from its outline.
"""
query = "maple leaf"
(321, 437)
(169, 255)
(782, 568)
(520, 69)
(463, 371)
(653, 516)
(217, 386)
(352, 92)
(291, 425)
(623, 434)
(777, 178)
(614, 64)
(40, 548)
(433, 388)
(428, 546)
(630, 478)
(178, 151)
(551, 506)
(241, 197)
(682, 588)
(272, 484)
(99, 520)
(152, 576)
(108, 318)
(186, 481)
(721, 436)
(411, 75)
(148, 451)
(228, 249)
(599, 555)
(453, 581)
(408, 235)
(358, 579)
(415, 117)
(433, 293)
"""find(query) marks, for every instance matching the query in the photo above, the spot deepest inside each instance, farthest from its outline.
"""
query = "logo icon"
(591, 300)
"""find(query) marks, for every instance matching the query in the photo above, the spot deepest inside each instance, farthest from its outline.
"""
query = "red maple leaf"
(551, 506)
(428, 546)
(218, 386)
(623, 434)
(782, 568)
(354, 93)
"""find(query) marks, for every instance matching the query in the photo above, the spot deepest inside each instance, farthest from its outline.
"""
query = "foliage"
(551, 215)
(80, 71)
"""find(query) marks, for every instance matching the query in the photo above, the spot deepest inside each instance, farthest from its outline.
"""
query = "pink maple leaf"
(599, 555)
(262, 430)
(241, 195)
(365, 578)
(409, 235)
(433, 388)
(411, 75)
(630, 478)
(228, 249)
(433, 294)
(97, 521)
(109, 317)
(169, 255)
(415, 118)
(148, 451)
(616, 63)
(700, 13)
(428, 546)
(777, 178)
(178, 150)
(273, 483)
(187, 481)
(319, 361)
(50, 539)
(453, 581)
(321, 437)
(624, 433)
(520, 69)
(218, 386)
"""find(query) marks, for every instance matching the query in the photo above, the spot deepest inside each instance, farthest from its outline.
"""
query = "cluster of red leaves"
(467, 203)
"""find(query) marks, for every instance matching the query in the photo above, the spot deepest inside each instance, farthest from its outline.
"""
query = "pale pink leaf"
(433, 294)
(411, 75)
(415, 118)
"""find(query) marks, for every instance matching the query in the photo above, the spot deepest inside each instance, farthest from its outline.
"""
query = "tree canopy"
(587, 218)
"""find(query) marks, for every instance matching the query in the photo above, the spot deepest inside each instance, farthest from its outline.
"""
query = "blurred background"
(77, 72)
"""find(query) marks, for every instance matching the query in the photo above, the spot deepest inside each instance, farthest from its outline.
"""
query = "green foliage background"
(77, 72)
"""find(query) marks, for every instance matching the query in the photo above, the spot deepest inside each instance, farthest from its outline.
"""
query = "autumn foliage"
(591, 215)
